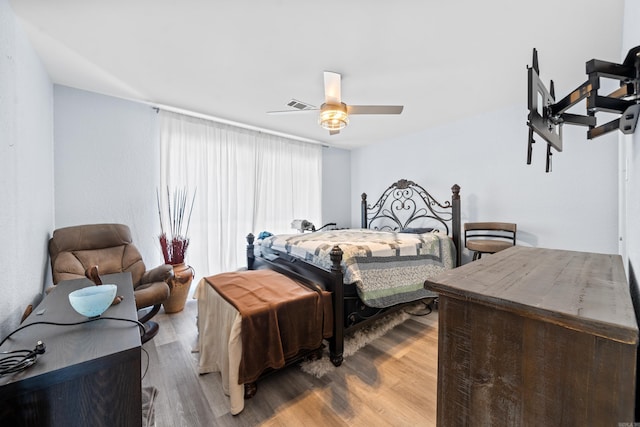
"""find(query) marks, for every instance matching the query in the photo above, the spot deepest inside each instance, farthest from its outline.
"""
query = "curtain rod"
(159, 107)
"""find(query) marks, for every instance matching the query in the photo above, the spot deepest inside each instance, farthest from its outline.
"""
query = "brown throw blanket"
(280, 317)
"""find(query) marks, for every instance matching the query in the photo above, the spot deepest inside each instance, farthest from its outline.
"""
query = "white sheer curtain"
(245, 182)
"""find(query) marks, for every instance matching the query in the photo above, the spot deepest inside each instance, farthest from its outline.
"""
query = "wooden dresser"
(89, 374)
(536, 337)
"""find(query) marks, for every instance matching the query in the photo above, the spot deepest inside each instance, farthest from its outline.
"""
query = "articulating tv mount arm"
(546, 116)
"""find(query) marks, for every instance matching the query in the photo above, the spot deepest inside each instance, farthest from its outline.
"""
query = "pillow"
(417, 230)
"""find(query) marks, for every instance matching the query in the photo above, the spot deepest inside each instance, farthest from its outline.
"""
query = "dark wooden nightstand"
(89, 374)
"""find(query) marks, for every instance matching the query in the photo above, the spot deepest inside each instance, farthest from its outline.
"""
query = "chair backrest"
(109, 246)
(490, 230)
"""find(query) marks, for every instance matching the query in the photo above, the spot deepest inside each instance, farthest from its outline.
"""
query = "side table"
(89, 375)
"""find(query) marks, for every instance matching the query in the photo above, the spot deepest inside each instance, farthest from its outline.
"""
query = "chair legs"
(150, 331)
(151, 328)
(477, 255)
(149, 314)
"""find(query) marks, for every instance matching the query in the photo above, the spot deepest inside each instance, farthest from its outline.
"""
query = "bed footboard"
(313, 277)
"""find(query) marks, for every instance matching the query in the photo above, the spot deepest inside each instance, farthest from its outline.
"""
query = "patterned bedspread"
(387, 268)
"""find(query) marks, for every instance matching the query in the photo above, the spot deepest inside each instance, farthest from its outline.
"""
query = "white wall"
(26, 171)
(336, 187)
(574, 207)
(631, 158)
(107, 156)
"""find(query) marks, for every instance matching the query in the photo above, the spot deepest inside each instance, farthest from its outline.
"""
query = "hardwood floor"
(391, 381)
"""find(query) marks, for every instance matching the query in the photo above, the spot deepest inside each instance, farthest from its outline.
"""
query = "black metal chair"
(489, 237)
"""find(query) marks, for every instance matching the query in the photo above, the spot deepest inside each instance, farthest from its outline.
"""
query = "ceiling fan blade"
(332, 82)
(374, 109)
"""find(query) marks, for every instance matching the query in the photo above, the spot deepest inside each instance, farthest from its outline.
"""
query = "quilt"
(386, 267)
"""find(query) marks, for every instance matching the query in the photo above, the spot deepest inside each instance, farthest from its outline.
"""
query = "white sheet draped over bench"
(220, 342)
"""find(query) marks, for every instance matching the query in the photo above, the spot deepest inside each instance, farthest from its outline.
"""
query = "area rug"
(362, 337)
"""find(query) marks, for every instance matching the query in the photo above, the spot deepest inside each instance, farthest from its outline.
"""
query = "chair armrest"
(159, 274)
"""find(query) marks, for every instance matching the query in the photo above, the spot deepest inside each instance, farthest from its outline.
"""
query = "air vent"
(299, 105)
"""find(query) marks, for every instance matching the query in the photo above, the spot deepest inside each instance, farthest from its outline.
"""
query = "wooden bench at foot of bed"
(255, 322)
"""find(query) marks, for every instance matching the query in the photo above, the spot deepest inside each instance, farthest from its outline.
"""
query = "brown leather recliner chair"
(76, 249)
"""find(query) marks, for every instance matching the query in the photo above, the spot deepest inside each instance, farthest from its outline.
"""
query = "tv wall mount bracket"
(546, 116)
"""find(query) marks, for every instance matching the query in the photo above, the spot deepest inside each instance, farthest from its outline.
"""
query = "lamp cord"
(146, 368)
(19, 360)
(92, 319)
(326, 225)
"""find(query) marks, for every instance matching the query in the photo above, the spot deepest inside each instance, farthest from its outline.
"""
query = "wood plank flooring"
(390, 382)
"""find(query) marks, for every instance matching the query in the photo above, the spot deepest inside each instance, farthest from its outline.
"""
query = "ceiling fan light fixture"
(333, 116)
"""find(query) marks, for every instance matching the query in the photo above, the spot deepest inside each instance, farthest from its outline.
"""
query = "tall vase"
(181, 283)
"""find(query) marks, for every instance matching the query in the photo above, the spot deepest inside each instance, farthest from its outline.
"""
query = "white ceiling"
(238, 59)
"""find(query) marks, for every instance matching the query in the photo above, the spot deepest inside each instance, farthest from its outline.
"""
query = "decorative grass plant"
(174, 244)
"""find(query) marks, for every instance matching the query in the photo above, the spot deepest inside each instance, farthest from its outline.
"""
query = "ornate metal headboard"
(405, 204)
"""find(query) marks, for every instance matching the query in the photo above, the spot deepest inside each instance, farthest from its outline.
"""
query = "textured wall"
(107, 165)
(26, 171)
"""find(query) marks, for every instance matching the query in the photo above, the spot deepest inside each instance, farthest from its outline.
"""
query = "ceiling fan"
(334, 114)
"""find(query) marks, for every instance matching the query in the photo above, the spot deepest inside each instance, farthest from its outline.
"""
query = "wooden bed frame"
(402, 205)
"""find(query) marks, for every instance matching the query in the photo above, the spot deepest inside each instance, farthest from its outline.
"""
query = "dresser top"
(578, 290)
(77, 345)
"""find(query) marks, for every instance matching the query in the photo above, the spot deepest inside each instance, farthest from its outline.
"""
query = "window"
(245, 182)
